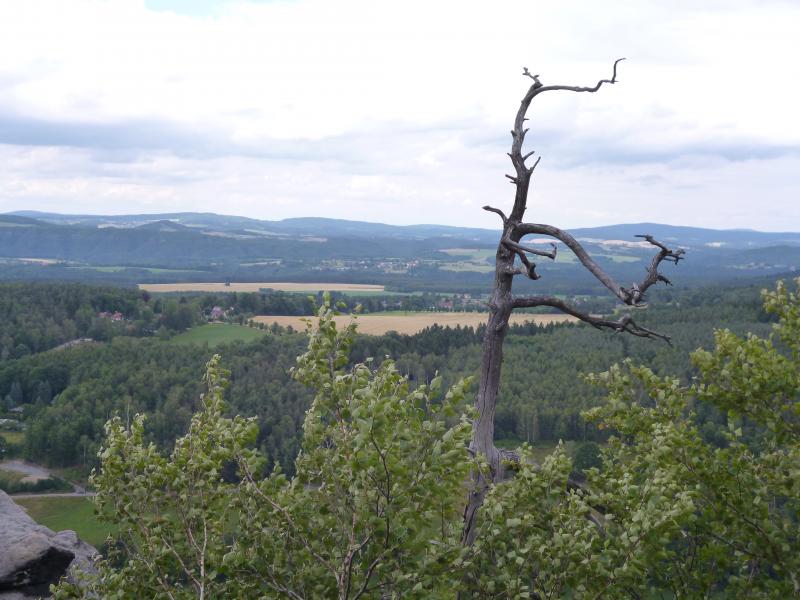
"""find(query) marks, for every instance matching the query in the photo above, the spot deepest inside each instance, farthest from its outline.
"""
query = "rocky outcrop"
(32, 556)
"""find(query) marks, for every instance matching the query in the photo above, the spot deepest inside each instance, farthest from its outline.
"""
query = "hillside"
(210, 247)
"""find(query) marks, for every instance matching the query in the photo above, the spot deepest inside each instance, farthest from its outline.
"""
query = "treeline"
(276, 302)
(35, 317)
(243, 305)
(74, 392)
(69, 395)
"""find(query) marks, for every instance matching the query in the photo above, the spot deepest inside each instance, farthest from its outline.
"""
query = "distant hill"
(163, 225)
(12, 220)
(317, 226)
(212, 247)
(692, 236)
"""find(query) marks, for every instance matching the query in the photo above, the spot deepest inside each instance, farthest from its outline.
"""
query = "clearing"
(30, 473)
(75, 513)
(13, 437)
(413, 322)
(214, 334)
(255, 287)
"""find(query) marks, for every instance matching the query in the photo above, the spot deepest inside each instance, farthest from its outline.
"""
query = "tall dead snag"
(503, 301)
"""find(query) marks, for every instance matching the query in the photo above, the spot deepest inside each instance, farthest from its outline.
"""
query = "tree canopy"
(373, 510)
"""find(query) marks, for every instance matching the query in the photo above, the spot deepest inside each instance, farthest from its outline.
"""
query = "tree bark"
(503, 301)
(500, 306)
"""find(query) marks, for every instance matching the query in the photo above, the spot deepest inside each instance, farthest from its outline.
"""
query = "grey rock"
(32, 556)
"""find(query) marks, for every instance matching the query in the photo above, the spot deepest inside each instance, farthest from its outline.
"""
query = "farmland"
(120, 268)
(255, 287)
(414, 322)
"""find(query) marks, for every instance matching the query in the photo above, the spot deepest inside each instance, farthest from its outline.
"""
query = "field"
(255, 287)
(217, 333)
(118, 269)
(13, 437)
(414, 322)
(475, 259)
(60, 513)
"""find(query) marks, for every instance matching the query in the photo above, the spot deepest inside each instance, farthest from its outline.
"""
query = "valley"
(85, 336)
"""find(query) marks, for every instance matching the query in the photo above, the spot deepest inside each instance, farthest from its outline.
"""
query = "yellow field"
(414, 322)
(254, 287)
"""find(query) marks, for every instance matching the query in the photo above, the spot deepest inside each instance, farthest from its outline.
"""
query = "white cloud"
(400, 112)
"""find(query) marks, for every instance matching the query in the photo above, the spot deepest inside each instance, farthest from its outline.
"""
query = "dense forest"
(375, 506)
(69, 394)
(35, 317)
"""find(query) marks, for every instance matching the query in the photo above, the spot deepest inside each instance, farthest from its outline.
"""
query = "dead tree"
(503, 301)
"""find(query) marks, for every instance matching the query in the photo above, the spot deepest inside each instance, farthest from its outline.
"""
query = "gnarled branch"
(576, 88)
(570, 242)
(630, 296)
(503, 301)
(636, 292)
(519, 248)
(625, 323)
(498, 211)
(524, 173)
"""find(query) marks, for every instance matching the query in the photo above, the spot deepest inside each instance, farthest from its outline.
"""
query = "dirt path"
(34, 473)
(56, 495)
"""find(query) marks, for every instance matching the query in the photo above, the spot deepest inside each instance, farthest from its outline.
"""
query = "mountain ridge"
(315, 226)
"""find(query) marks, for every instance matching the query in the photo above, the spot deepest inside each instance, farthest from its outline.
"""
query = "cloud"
(399, 112)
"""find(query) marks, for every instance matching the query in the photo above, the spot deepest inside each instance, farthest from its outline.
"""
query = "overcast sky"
(400, 111)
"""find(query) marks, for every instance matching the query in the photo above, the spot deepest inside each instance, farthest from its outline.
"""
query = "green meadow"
(13, 437)
(75, 513)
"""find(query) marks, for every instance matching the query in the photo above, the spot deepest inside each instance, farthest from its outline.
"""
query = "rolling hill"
(212, 247)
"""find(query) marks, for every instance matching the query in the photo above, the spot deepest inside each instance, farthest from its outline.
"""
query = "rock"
(32, 556)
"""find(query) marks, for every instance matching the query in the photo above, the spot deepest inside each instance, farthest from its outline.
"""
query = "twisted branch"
(653, 276)
(625, 323)
(575, 88)
(498, 211)
(631, 296)
(522, 179)
(520, 249)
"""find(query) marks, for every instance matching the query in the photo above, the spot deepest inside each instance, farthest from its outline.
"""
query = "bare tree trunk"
(503, 301)
(500, 306)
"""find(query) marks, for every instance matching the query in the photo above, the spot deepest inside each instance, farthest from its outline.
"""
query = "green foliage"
(215, 334)
(587, 456)
(60, 513)
(13, 485)
(71, 393)
(373, 508)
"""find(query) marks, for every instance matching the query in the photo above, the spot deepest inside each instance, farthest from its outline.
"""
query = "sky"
(400, 111)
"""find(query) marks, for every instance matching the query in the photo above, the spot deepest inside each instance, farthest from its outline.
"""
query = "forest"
(374, 508)
(69, 394)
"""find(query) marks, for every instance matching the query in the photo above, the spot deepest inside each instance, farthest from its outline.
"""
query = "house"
(446, 303)
(116, 316)
(216, 313)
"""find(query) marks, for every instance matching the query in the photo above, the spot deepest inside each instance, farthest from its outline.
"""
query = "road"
(34, 473)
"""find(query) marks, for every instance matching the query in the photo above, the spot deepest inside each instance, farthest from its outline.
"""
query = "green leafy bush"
(51, 484)
(374, 508)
